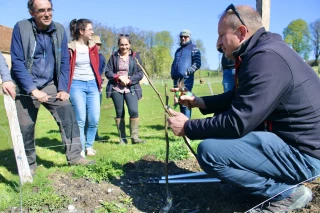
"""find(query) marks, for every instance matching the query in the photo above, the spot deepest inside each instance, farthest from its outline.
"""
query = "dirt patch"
(151, 197)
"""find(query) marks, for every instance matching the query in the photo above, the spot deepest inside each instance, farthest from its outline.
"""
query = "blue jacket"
(275, 86)
(4, 70)
(102, 63)
(187, 60)
(39, 57)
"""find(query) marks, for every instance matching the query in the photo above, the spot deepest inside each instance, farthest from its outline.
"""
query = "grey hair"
(249, 16)
(31, 2)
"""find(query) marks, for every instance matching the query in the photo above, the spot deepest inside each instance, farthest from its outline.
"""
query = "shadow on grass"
(185, 197)
(9, 162)
(146, 197)
(13, 184)
(8, 157)
(156, 127)
(52, 144)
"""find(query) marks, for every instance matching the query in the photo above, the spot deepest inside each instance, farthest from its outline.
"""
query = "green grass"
(110, 156)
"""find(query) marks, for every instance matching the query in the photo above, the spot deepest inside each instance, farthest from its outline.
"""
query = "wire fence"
(5, 135)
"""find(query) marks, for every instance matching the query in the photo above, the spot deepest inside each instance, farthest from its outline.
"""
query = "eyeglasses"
(125, 35)
(185, 37)
(233, 8)
(42, 11)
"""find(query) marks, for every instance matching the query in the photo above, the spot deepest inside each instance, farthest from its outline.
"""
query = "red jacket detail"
(94, 60)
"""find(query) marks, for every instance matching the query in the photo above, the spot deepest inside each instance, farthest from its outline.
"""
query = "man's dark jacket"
(275, 85)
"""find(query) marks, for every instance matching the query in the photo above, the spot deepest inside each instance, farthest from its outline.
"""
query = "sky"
(199, 16)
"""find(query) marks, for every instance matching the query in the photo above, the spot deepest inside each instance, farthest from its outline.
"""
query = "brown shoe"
(82, 161)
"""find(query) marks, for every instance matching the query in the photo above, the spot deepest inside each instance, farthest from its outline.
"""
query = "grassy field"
(110, 156)
(50, 151)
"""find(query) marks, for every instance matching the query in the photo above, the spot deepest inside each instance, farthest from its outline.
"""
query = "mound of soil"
(133, 193)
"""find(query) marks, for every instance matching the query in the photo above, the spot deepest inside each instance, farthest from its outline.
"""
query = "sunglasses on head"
(125, 35)
(233, 8)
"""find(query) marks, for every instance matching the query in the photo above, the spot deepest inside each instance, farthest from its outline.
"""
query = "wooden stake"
(16, 136)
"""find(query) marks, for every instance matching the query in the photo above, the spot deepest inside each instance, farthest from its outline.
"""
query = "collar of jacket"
(118, 54)
(249, 43)
(50, 29)
(72, 45)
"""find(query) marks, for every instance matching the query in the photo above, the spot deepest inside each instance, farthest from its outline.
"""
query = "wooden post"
(263, 7)
(209, 85)
(16, 136)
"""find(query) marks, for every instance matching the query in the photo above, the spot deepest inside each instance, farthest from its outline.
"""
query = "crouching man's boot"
(134, 129)
(121, 130)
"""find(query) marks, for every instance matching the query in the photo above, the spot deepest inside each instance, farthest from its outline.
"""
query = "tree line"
(304, 38)
(155, 47)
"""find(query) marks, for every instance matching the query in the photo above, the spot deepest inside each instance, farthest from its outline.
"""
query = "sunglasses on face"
(233, 8)
(185, 37)
(125, 35)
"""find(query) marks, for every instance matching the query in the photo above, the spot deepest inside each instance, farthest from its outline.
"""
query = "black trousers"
(62, 111)
(131, 101)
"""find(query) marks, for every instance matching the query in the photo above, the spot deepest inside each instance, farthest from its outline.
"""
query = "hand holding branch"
(40, 96)
(63, 96)
(189, 100)
(176, 122)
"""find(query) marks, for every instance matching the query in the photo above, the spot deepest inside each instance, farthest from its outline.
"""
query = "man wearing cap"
(102, 61)
(187, 60)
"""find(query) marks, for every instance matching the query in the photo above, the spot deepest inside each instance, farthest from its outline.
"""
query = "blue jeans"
(85, 100)
(228, 79)
(260, 163)
(188, 83)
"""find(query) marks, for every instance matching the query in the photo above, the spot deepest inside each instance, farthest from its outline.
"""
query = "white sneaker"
(83, 154)
(91, 151)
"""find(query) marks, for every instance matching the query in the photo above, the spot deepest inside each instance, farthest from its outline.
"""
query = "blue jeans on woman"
(85, 100)
(188, 83)
(228, 79)
(260, 163)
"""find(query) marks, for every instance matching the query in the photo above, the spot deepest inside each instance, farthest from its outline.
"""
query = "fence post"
(16, 136)
(209, 85)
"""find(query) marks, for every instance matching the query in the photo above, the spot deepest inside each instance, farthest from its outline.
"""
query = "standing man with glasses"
(40, 69)
(264, 137)
(187, 60)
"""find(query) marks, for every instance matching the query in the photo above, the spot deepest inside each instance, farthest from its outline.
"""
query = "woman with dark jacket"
(85, 82)
(124, 75)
